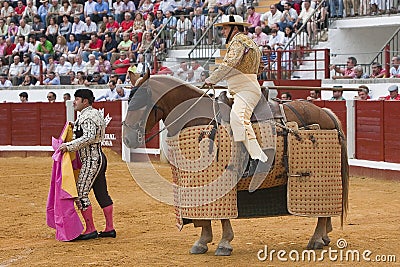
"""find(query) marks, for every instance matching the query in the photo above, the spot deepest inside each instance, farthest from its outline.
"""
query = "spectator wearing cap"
(21, 47)
(393, 93)
(52, 79)
(23, 97)
(395, 69)
(377, 70)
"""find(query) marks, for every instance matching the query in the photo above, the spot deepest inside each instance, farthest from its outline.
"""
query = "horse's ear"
(145, 77)
(133, 77)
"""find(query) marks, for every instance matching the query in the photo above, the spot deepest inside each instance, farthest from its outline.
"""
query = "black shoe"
(111, 233)
(88, 236)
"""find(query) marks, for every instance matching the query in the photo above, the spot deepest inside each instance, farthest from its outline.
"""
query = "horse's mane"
(164, 83)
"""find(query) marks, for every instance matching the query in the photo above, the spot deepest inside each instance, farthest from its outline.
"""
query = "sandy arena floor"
(146, 230)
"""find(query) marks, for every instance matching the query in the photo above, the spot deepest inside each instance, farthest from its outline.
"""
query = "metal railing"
(206, 45)
(389, 50)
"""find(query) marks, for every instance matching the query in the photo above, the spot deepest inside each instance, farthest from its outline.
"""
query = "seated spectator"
(45, 49)
(19, 11)
(348, 72)
(377, 70)
(23, 97)
(94, 47)
(65, 27)
(118, 12)
(146, 46)
(88, 9)
(109, 46)
(89, 28)
(253, 18)
(314, 95)
(286, 96)
(102, 27)
(43, 10)
(259, 37)
(35, 69)
(4, 82)
(101, 10)
(135, 47)
(3, 28)
(123, 94)
(359, 73)
(393, 93)
(53, 11)
(270, 17)
(198, 24)
(26, 67)
(27, 81)
(182, 35)
(91, 66)
(52, 31)
(104, 67)
(76, 10)
(111, 94)
(305, 13)
(95, 80)
(149, 21)
(80, 78)
(395, 69)
(138, 26)
(112, 27)
(146, 7)
(15, 71)
(363, 93)
(61, 48)
(3, 67)
(121, 66)
(21, 48)
(8, 50)
(73, 47)
(337, 95)
(29, 12)
(289, 16)
(125, 44)
(63, 67)
(38, 27)
(126, 26)
(33, 45)
(51, 97)
(79, 65)
(78, 28)
(51, 79)
(182, 72)
(7, 12)
(12, 31)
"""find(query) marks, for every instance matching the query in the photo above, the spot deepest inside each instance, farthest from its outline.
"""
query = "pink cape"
(61, 214)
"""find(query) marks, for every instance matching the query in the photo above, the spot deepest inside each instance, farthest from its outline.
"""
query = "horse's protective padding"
(314, 183)
(277, 175)
(205, 182)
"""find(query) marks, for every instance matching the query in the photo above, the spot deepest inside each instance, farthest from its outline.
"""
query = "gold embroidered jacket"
(242, 56)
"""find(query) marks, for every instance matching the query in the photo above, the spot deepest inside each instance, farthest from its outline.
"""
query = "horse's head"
(140, 106)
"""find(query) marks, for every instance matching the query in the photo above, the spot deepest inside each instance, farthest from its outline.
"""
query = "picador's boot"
(109, 231)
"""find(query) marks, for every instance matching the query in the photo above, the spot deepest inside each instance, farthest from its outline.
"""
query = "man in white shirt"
(88, 28)
(35, 68)
(111, 94)
(15, 71)
(21, 47)
(305, 13)
(168, 5)
(269, 18)
(183, 71)
(289, 16)
(395, 69)
(88, 9)
(24, 29)
(79, 65)
(4, 82)
(63, 67)
(77, 28)
(122, 94)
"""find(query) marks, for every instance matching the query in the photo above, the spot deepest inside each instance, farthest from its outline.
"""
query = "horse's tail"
(345, 165)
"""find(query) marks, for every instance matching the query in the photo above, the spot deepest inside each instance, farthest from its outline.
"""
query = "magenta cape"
(61, 214)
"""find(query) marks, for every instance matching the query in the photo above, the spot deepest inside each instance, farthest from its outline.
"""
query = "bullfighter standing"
(89, 131)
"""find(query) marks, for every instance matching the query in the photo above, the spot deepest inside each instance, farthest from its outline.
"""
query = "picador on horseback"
(239, 68)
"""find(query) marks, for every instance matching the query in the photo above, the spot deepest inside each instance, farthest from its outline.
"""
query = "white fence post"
(69, 109)
(351, 128)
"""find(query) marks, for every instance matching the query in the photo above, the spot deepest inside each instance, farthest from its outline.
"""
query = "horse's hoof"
(223, 251)
(314, 244)
(198, 248)
(326, 240)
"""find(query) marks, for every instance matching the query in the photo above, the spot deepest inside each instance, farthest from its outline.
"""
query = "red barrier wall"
(391, 130)
(5, 122)
(297, 94)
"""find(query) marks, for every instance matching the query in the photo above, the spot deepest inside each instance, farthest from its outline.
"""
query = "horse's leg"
(316, 241)
(224, 246)
(200, 246)
(329, 229)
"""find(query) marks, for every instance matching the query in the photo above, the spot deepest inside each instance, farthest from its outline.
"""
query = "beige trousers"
(246, 93)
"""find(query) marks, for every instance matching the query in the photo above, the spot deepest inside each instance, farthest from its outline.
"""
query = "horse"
(156, 97)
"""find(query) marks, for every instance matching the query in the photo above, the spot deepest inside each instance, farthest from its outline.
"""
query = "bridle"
(139, 127)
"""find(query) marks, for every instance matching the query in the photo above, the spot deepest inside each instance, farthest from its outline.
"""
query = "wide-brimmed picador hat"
(232, 20)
